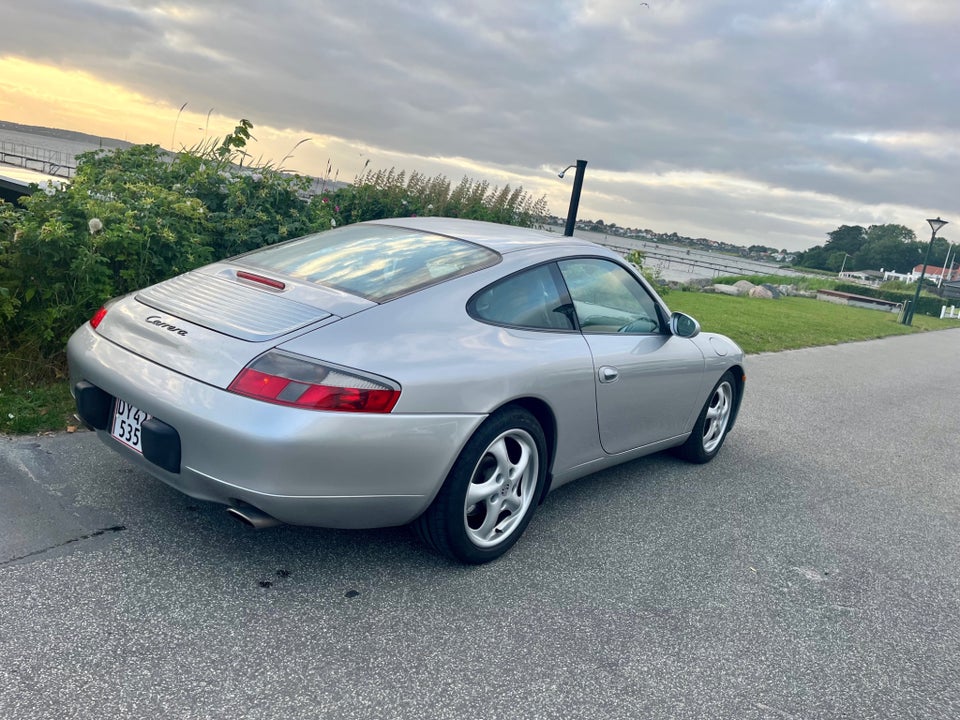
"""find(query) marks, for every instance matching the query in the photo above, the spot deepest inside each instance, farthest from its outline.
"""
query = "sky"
(767, 122)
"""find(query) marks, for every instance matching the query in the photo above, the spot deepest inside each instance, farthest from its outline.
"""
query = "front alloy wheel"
(713, 423)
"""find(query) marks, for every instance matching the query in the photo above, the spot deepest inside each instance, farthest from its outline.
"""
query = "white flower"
(11, 416)
(49, 188)
(95, 225)
(333, 223)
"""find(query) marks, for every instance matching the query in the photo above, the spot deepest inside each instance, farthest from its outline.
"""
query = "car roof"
(500, 238)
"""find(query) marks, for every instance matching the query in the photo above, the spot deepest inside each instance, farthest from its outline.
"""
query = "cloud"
(783, 120)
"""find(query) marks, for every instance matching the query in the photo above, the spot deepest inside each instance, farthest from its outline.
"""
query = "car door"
(648, 381)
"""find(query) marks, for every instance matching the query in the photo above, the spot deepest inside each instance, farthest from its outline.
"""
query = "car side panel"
(448, 362)
(657, 389)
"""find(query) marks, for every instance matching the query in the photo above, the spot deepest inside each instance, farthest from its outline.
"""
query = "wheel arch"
(545, 416)
(740, 380)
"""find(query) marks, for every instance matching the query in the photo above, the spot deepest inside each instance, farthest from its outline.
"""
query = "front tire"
(491, 492)
(713, 423)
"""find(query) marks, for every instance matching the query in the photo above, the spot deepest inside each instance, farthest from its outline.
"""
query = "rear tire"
(491, 492)
(713, 423)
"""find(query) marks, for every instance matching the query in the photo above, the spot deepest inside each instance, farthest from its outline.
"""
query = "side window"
(528, 299)
(607, 298)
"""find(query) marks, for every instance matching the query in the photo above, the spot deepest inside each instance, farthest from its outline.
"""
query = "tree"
(815, 257)
(889, 247)
(846, 239)
(837, 261)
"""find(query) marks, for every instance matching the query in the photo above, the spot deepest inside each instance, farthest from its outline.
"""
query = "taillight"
(98, 317)
(287, 379)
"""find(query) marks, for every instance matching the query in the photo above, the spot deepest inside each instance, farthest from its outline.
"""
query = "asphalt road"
(811, 571)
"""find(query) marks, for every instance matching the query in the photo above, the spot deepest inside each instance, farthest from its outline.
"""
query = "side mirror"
(683, 325)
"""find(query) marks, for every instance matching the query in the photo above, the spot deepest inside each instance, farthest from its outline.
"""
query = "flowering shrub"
(134, 217)
(130, 218)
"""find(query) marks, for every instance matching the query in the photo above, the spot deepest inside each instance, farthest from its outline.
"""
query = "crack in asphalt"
(88, 536)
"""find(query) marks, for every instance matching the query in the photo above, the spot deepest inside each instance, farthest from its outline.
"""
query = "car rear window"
(376, 262)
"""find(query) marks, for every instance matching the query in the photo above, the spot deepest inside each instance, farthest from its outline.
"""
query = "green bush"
(8, 220)
(653, 276)
(130, 218)
(133, 217)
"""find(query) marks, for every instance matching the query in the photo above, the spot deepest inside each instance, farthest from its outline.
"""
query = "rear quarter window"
(529, 299)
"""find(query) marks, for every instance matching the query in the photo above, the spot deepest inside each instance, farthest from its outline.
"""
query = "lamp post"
(946, 264)
(935, 225)
(574, 195)
(843, 264)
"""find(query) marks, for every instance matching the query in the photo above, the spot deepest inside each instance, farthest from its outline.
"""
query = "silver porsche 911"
(447, 373)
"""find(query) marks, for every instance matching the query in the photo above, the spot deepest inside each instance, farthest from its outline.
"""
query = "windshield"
(377, 262)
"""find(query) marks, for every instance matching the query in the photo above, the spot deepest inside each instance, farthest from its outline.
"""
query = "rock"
(726, 289)
(761, 292)
(773, 290)
(744, 286)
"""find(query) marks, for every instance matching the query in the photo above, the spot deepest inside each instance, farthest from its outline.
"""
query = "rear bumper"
(302, 467)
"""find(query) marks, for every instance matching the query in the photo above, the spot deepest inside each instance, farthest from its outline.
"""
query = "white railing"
(951, 313)
(52, 162)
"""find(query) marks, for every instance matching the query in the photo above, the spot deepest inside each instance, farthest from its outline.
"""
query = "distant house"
(891, 275)
(862, 277)
(934, 273)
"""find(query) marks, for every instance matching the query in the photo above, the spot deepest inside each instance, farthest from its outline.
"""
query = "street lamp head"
(936, 224)
(562, 172)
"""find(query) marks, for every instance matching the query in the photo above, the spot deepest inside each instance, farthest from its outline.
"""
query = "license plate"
(127, 422)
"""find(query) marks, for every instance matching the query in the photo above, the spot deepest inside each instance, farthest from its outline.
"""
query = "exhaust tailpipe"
(254, 517)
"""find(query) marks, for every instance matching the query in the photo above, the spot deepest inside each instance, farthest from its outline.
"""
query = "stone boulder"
(726, 289)
(761, 292)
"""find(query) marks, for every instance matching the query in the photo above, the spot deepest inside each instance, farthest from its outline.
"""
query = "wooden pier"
(49, 162)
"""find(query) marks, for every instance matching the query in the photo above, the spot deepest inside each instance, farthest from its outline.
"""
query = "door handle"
(608, 374)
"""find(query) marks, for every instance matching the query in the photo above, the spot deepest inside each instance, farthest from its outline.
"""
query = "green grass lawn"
(793, 322)
(33, 407)
(41, 405)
